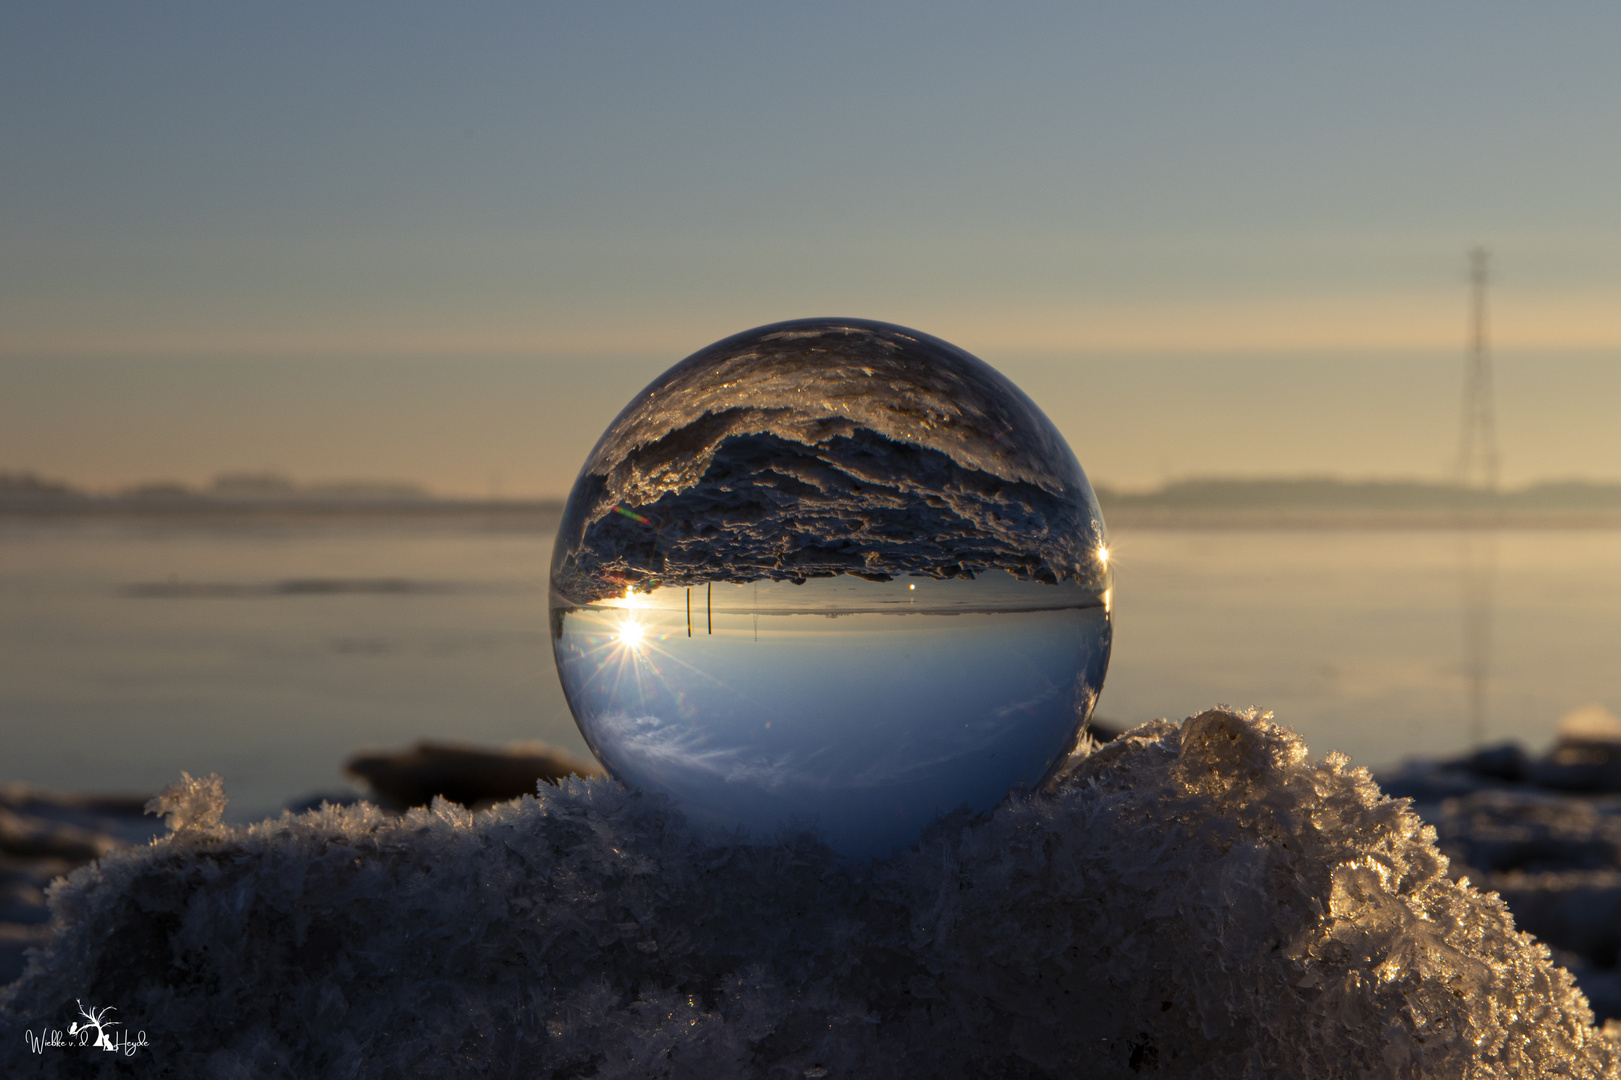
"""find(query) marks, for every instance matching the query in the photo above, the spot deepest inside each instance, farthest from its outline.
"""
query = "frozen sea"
(133, 649)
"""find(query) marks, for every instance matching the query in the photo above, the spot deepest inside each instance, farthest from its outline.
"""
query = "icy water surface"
(1354, 638)
(862, 709)
(132, 650)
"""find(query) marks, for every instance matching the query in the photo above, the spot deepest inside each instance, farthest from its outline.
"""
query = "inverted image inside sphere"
(900, 578)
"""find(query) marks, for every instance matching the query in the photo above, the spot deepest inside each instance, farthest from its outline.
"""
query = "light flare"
(632, 600)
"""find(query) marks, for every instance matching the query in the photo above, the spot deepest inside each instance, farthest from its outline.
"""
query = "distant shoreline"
(206, 511)
(1324, 520)
(544, 514)
(1202, 504)
(1330, 503)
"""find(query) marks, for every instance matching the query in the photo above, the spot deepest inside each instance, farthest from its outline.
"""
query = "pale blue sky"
(446, 242)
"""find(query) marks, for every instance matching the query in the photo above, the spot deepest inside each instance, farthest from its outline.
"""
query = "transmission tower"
(1477, 449)
(1478, 468)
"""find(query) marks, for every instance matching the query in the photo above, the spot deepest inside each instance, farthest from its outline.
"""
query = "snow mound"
(1194, 900)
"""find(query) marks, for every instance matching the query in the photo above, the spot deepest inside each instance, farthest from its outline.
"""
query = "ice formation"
(191, 805)
(1194, 900)
(1511, 824)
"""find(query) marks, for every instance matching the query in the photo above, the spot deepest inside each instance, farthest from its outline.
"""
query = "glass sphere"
(832, 574)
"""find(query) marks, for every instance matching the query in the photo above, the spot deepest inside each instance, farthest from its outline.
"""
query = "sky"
(447, 243)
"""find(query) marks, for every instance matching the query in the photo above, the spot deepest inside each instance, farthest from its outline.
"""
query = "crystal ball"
(836, 575)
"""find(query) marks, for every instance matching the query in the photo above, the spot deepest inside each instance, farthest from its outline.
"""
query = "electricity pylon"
(1477, 449)
(1478, 468)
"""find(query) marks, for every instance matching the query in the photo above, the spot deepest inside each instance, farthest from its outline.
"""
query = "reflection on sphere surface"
(831, 574)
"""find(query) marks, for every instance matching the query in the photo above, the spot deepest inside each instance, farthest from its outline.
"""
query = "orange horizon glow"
(1371, 324)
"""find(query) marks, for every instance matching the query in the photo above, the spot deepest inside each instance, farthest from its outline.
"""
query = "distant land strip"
(1328, 502)
(266, 498)
(1208, 503)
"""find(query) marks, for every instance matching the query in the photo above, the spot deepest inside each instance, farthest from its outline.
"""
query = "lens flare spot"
(631, 634)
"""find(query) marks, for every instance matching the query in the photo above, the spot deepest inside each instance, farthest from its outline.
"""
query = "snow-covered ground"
(1199, 899)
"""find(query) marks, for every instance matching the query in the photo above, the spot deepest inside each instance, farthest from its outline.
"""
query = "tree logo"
(97, 1020)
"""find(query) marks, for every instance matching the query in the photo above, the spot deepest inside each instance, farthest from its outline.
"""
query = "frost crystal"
(1194, 900)
(191, 805)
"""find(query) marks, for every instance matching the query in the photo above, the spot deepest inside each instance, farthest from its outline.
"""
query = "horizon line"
(398, 490)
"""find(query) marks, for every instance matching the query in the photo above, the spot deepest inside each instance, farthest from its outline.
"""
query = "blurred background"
(309, 315)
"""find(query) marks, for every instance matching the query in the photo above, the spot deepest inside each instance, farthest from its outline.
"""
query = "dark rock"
(327, 798)
(1103, 731)
(1506, 761)
(468, 775)
(1582, 765)
(1577, 910)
